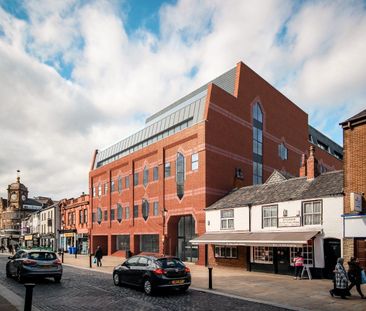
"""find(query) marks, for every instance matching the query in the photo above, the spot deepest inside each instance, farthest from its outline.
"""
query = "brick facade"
(223, 142)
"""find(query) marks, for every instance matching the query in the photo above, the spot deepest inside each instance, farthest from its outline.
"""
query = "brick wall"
(348, 249)
(240, 262)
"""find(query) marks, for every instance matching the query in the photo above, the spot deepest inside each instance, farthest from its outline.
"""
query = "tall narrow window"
(155, 173)
(145, 209)
(257, 144)
(99, 215)
(99, 190)
(135, 211)
(112, 186)
(127, 208)
(180, 175)
(127, 181)
(135, 179)
(146, 176)
(119, 183)
(194, 161)
(167, 169)
(156, 209)
(282, 151)
(106, 188)
(119, 212)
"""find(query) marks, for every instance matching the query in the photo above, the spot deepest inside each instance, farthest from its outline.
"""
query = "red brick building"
(74, 230)
(150, 189)
(354, 142)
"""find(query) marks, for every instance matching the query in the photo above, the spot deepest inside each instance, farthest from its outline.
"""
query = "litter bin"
(70, 250)
(73, 250)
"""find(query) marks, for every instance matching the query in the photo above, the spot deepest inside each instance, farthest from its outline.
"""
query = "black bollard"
(209, 277)
(90, 260)
(76, 254)
(28, 296)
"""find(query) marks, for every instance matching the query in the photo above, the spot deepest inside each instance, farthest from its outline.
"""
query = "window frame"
(155, 173)
(303, 214)
(194, 161)
(220, 249)
(167, 169)
(227, 219)
(266, 207)
(259, 255)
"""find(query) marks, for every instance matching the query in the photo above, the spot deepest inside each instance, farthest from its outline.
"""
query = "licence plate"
(178, 282)
(45, 267)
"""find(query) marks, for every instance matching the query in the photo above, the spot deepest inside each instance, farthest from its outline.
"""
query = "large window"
(227, 219)
(180, 172)
(312, 213)
(167, 169)
(145, 209)
(119, 212)
(145, 176)
(149, 243)
(269, 216)
(263, 254)
(122, 242)
(226, 252)
(194, 159)
(306, 251)
(257, 144)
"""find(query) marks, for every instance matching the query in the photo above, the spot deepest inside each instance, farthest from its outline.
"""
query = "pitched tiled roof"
(327, 184)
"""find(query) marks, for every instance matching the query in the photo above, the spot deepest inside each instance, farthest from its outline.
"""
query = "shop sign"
(28, 237)
(294, 221)
(68, 235)
(356, 202)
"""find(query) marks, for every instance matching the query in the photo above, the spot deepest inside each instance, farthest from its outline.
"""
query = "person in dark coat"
(99, 256)
(354, 275)
(341, 280)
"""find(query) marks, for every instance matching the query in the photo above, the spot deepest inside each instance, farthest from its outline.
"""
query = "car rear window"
(170, 263)
(42, 256)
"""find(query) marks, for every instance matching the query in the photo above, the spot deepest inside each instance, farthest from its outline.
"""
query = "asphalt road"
(89, 290)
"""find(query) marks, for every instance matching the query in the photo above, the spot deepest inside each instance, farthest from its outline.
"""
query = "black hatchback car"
(153, 273)
(34, 263)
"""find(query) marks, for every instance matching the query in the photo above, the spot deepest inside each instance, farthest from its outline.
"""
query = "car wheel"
(148, 288)
(20, 277)
(57, 279)
(116, 279)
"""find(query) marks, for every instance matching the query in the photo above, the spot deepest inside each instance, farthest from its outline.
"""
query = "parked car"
(34, 263)
(153, 273)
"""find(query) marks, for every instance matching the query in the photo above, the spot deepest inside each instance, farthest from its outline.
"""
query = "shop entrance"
(332, 251)
(283, 260)
(186, 232)
(360, 251)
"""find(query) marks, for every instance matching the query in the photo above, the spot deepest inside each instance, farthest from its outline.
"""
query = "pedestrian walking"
(299, 265)
(2, 248)
(354, 275)
(99, 256)
(340, 281)
(11, 250)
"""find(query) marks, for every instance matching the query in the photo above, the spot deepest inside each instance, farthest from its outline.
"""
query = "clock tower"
(17, 195)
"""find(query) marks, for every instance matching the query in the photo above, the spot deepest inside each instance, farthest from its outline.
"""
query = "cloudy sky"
(80, 75)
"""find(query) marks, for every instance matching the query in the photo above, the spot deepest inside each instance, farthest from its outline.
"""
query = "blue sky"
(81, 75)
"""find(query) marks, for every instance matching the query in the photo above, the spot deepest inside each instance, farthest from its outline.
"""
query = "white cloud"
(50, 126)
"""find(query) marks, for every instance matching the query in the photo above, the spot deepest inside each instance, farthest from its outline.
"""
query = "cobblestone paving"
(89, 290)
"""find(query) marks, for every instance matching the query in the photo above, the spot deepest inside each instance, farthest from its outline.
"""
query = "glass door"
(186, 232)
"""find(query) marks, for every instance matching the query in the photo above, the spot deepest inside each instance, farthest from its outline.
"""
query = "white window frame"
(195, 161)
(271, 217)
(307, 253)
(227, 219)
(230, 252)
(282, 151)
(263, 254)
(312, 214)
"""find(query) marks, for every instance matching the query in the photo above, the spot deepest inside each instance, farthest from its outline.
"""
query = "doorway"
(332, 251)
(283, 260)
(186, 232)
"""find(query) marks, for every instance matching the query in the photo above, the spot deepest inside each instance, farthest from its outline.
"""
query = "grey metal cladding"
(226, 81)
(191, 112)
(319, 136)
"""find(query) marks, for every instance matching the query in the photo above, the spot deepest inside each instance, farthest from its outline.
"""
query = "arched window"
(145, 209)
(257, 144)
(99, 215)
(180, 172)
(119, 212)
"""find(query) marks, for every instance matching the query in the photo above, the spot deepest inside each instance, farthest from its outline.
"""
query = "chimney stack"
(303, 169)
(312, 165)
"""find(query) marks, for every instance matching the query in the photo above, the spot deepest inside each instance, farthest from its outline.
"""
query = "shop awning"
(285, 239)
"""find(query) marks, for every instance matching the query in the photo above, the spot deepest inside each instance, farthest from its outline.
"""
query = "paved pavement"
(87, 289)
(278, 290)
